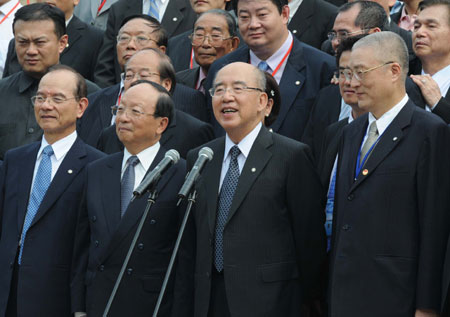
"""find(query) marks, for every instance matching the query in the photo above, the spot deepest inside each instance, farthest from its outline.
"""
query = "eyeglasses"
(234, 90)
(54, 100)
(345, 74)
(141, 75)
(124, 39)
(215, 40)
(360, 74)
(131, 112)
(342, 35)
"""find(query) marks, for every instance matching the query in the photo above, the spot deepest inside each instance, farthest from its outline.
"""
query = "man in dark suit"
(41, 185)
(259, 213)
(214, 36)
(178, 17)
(390, 220)
(431, 46)
(180, 48)
(93, 12)
(149, 64)
(300, 69)
(76, 55)
(311, 21)
(40, 35)
(109, 220)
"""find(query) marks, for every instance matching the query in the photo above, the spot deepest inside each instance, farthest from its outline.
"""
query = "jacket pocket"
(275, 272)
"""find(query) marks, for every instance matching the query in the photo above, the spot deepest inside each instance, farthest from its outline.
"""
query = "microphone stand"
(191, 201)
(150, 201)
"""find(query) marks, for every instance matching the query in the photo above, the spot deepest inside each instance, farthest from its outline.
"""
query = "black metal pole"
(150, 202)
(191, 201)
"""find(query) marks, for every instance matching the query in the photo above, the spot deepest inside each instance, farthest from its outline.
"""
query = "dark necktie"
(127, 185)
(41, 183)
(225, 199)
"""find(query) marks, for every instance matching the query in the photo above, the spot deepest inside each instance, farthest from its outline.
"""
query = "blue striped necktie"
(41, 183)
(154, 10)
(263, 66)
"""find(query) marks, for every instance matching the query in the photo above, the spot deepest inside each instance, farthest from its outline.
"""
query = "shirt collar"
(385, 120)
(442, 78)
(26, 81)
(246, 143)
(68, 20)
(274, 60)
(145, 157)
(60, 147)
(201, 77)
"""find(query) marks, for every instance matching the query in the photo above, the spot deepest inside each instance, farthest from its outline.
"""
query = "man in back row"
(299, 69)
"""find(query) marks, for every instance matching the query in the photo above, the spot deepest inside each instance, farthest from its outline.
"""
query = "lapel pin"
(395, 139)
(253, 169)
(365, 172)
(175, 19)
(270, 130)
(69, 171)
(297, 83)
(294, 31)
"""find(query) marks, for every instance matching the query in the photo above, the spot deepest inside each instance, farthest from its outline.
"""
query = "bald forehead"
(237, 73)
(143, 57)
(136, 25)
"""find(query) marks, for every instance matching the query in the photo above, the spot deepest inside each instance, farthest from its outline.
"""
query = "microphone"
(204, 155)
(152, 178)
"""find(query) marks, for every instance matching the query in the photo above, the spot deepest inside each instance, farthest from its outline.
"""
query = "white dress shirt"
(145, 157)
(6, 33)
(245, 146)
(274, 60)
(385, 120)
(442, 78)
(346, 111)
(60, 149)
(162, 6)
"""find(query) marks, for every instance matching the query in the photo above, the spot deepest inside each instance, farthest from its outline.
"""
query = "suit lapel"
(291, 83)
(355, 137)
(136, 208)
(27, 164)
(109, 100)
(111, 192)
(211, 177)
(72, 164)
(301, 19)
(256, 160)
(95, 5)
(173, 16)
(74, 32)
(170, 130)
(387, 143)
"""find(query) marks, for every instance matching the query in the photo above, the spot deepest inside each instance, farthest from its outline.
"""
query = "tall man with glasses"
(259, 211)
(391, 204)
(108, 218)
(41, 185)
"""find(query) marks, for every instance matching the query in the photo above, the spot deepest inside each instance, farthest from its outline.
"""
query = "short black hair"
(430, 3)
(371, 15)
(80, 87)
(161, 34)
(164, 105)
(273, 92)
(231, 21)
(278, 3)
(42, 12)
(346, 45)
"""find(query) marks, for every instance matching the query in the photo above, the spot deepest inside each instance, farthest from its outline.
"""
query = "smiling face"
(200, 6)
(239, 113)
(262, 27)
(431, 34)
(58, 119)
(212, 25)
(37, 46)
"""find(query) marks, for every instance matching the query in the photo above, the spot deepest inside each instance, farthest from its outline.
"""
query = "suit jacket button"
(207, 274)
(96, 243)
(94, 218)
(129, 271)
(11, 264)
(101, 268)
(350, 197)
(152, 221)
(346, 227)
(140, 246)
(30, 130)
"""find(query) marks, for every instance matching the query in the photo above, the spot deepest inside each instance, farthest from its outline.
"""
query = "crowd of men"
(327, 192)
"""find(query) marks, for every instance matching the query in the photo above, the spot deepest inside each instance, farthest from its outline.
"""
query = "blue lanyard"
(359, 165)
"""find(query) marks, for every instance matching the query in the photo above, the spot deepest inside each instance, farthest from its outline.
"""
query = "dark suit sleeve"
(104, 74)
(434, 204)
(9, 57)
(442, 109)
(306, 203)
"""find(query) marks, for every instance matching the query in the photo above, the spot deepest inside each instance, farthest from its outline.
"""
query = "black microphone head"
(206, 151)
(173, 155)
